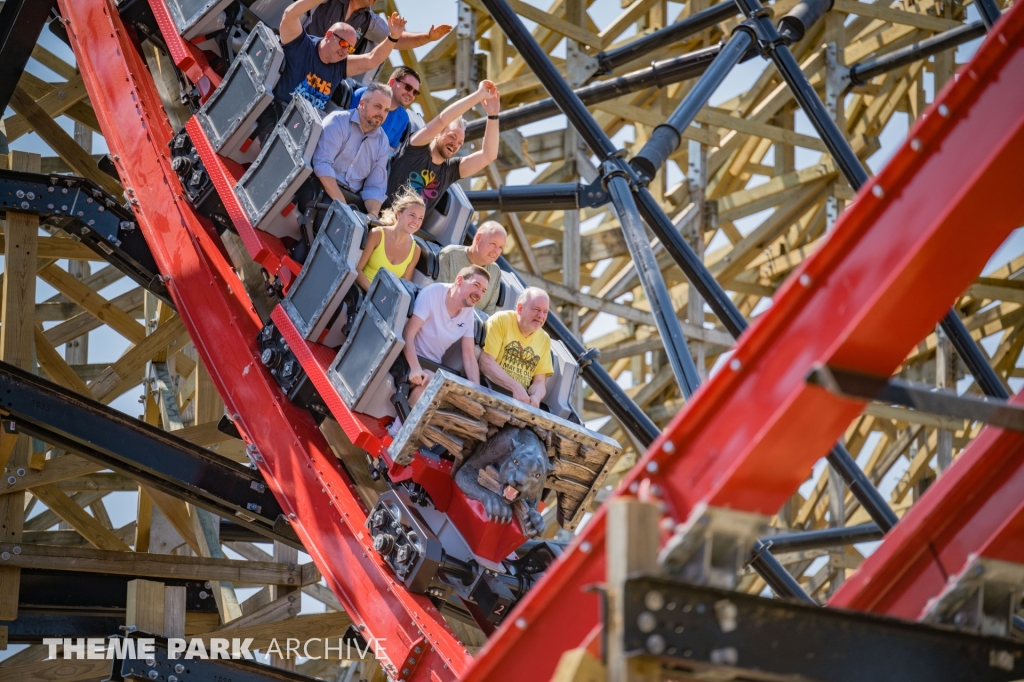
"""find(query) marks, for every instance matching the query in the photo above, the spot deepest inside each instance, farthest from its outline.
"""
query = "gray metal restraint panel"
(267, 189)
(314, 302)
(229, 117)
(360, 370)
(196, 17)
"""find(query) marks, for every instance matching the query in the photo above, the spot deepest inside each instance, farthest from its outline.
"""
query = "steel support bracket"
(919, 397)
(712, 546)
(983, 599)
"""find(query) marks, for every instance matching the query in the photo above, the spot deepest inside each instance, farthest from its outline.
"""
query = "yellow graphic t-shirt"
(521, 357)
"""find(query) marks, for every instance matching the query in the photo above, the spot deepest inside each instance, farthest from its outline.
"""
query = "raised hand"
(437, 32)
(396, 25)
(492, 104)
(487, 88)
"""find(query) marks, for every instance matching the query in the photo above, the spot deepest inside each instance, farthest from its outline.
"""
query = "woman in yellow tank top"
(391, 246)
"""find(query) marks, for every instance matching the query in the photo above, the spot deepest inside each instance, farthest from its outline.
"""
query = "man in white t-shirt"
(443, 314)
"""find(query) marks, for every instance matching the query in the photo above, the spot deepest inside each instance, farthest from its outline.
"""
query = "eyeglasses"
(344, 44)
(409, 88)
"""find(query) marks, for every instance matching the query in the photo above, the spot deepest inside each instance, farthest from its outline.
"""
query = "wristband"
(394, 40)
(492, 118)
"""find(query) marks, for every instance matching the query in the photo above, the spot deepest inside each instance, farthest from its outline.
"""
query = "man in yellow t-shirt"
(517, 352)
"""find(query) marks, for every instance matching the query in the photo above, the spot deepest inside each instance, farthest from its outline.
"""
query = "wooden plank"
(99, 307)
(53, 104)
(60, 670)
(722, 119)
(16, 346)
(98, 535)
(59, 469)
(622, 22)
(62, 143)
(548, 20)
(153, 565)
(84, 322)
(53, 62)
(649, 117)
(895, 16)
(54, 364)
(307, 627)
(145, 606)
(50, 247)
(132, 363)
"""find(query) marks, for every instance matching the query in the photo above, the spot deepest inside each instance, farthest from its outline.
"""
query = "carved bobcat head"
(525, 465)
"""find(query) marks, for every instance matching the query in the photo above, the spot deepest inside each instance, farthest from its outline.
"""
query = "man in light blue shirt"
(353, 150)
(405, 87)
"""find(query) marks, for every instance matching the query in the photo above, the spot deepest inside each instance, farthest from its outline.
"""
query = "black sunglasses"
(409, 88)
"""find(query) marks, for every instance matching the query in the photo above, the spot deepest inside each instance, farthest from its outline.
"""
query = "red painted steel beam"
(300, 468)
(916, 237)
(975, 508)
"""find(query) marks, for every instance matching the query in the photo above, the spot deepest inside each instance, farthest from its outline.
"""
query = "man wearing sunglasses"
(313, 65)
(405, 87)
(428, 163)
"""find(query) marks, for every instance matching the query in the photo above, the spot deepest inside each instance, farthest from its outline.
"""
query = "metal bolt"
(735, 364)
(11, 480)
(521, 623)
(656, 644)
(646, 622)
(805, 280)
(178, 668)
(5, 556)
(17, 549)
(50, 190)
(654, 600)
(405, 671)
(153, 674)
(20, 194)
(20, 471)
(915, 144)
(151, 661)
(203, 594)
(172, 678)
(25, 204)
(652, 467)
(291, 515)
(418, 650)
(943, 110)
(878, 191)
(668, 446)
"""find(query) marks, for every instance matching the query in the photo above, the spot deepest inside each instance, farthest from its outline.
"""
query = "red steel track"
(921, 230)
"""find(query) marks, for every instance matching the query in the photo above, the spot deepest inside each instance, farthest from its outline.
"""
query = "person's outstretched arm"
(361, 63)
(424, 135)
(488, 152)
(291, 20)
(410, 40)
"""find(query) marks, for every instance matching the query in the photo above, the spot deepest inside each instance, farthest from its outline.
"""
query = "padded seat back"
(229, 116)
(360, 371)
(448, 221)
(268, 188)
(314, 302)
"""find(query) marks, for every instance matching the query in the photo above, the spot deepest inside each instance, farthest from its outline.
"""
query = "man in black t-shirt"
(428, 163)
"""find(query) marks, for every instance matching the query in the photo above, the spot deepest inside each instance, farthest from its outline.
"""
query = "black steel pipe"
(862, 73)
(647, 269)
(666, 138)
(629, 414)
(826, 537)
(989, 11)
(783, 584)
(658, 74)
(760, 25)
(860, 485)
(684, 28)
(977, 364)
(523, 198)
(537, 60)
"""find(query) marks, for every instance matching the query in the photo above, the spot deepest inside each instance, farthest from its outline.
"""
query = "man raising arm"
(517, 352)
(357, 14)
(428, 163)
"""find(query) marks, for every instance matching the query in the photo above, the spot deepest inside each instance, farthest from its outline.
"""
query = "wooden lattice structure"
(726, 178)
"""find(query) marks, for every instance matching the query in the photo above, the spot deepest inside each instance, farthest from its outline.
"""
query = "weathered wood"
(158, 565)
(59, 670)
(113, 381)
(145, 608)
(99, 307)
(460, 424)
(98, 535)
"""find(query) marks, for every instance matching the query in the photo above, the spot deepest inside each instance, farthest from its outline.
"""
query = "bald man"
(315, 65)
(487, 246)
(517, 352)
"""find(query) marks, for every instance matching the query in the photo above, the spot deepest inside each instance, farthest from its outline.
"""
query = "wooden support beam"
(84, 322)
(145, 608)
(159, 565)
(51, 247)
(53, 104)
(56, 366)
(127, 371)
(99, 307)
(98, 535)
(62, 143)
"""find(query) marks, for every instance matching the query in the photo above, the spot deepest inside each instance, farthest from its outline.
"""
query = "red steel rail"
(976, 508)
(920, 231)
(299, 466)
